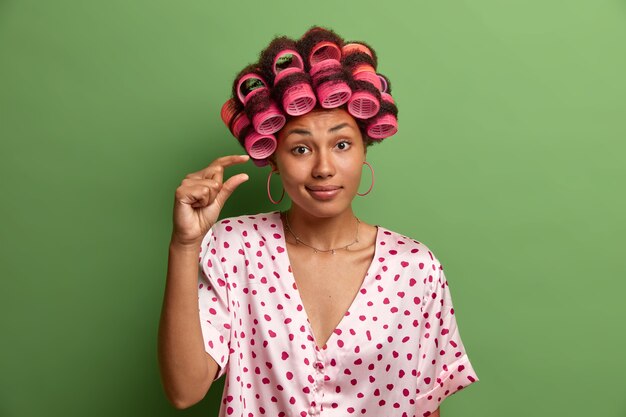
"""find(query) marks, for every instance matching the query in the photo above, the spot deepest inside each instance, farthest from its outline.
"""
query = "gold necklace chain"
(316, 250)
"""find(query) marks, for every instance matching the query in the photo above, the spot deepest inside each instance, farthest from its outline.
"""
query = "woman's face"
(320, 158)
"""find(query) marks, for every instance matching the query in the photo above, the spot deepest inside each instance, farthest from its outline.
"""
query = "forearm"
(182, 358)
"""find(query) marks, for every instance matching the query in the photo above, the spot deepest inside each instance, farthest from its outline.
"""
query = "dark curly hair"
(292, 77)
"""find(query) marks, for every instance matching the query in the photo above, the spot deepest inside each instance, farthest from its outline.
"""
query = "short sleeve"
(444, 367)
(213, 303)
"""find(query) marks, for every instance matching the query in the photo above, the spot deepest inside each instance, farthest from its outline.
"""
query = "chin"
(322, 209)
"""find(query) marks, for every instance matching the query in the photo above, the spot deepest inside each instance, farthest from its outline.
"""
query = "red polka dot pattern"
(396, 351)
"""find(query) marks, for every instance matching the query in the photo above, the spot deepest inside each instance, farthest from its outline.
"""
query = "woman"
(311, 311)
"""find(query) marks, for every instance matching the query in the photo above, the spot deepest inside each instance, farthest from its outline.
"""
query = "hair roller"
(287, 59)
(240, 122)
(385, 123)
(352, 47)
(228, 112)
(384, 126)
(324, 51)
(249, 85)
(233, 117)
(387, 97)
(331, 83)
(366, 72)
(294, 91)
(292, 87)
(319, 44)
(260, 162)
(258, 145)
(267, 58)
(355, 57)
(386, 85)
(249, 69)
(361, 47)
(265, 115)
(365, 100)
(362, 67)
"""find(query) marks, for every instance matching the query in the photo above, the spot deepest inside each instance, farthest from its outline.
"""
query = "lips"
(323, 192)
(323, 187)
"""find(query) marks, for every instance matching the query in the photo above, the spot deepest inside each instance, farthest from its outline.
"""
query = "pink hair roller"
(249, 85)
(266, 122)
(351, 48)
(260, 162)
(367, 73)
(240, 122)
(363, 105)
(269, 121)
(285, 59)
(387, 97)
(300, 98)
(323, 51)
(383, 127)
(229, 109)
(331, 94)
(235, 120)
(260, 146)
(383, 83)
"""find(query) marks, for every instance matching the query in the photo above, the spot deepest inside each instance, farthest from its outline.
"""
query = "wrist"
(178, 246)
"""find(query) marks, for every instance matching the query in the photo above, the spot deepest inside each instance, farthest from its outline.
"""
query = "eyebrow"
(308, 133)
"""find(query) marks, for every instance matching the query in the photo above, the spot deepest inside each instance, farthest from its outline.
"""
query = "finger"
(199, 195)
(207, 196)
(204, 190)
(216, 168)
(230, 160)
(192, 182)
(221, 163)
(229, 186)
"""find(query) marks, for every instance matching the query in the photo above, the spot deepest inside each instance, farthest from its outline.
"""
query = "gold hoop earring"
(269, 193)
(372, 184)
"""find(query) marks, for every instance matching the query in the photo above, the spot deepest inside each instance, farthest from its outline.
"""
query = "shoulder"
(245, 225)
(232, 235)
(407, 249)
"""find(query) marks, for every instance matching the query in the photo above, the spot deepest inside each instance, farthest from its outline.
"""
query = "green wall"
(509, 164)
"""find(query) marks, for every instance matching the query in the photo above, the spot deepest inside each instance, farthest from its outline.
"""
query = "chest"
(327, 285)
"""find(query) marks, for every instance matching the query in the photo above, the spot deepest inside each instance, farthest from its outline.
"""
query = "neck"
(322, 232)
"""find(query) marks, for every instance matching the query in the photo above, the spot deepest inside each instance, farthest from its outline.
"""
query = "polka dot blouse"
(396, 351)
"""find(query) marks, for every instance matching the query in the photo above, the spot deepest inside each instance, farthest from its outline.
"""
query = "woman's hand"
(200, 198)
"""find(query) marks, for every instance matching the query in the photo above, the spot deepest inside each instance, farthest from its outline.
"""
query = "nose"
(324, 166)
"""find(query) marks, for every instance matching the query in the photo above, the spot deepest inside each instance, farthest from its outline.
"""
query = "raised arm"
(187, 370)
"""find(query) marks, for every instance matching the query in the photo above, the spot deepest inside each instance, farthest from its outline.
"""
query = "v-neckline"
(290, 273)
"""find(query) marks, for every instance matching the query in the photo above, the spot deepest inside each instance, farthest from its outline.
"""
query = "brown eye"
(343, 145)
(299, 150)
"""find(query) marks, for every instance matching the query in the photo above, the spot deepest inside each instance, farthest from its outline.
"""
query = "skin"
(323, 148)
(187, 371)
(317, 149)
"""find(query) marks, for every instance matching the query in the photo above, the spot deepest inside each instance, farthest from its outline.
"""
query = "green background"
(509, 165)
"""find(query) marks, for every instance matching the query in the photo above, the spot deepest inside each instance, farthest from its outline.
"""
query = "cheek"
(353, 166)
(291, 175)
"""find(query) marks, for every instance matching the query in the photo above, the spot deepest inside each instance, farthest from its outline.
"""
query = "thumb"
(229, 186)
